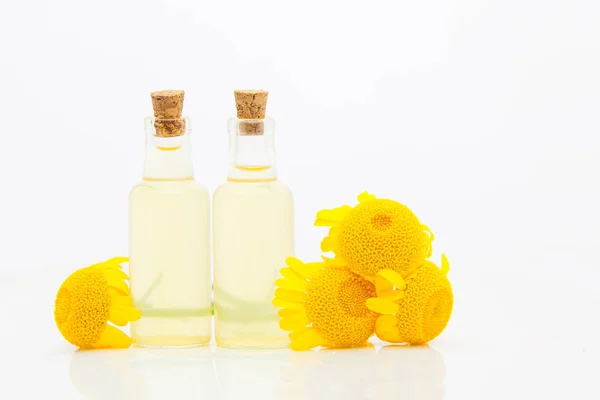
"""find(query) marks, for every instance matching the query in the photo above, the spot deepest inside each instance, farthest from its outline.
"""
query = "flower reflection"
(345, 373)
(103, 374)
(410, 372)
(398, 372)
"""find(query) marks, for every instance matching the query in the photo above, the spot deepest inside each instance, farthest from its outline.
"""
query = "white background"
(482, 116)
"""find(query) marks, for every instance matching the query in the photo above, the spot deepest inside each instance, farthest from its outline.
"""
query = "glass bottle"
(170, 244)
(253, 219)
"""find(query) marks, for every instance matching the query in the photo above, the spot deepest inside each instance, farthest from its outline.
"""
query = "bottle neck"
(251, 154)
(168, 158)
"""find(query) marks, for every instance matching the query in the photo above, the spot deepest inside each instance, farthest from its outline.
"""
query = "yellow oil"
(170, 262)
(253, 235)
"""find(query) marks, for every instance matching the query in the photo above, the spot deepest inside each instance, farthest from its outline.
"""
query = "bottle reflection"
(143, 374)
(249, 374)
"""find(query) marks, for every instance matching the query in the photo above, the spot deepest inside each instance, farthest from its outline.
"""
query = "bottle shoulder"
(170, 187)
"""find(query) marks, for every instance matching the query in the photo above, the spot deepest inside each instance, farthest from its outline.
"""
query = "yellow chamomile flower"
(89, 299)
(377, 234)
(324, 306)
(416, 309)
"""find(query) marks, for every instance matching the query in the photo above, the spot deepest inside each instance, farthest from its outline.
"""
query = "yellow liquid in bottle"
(253, 235)
(170, 263)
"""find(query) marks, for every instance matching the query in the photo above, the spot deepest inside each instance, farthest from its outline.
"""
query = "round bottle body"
(170, 263)
(253, 224)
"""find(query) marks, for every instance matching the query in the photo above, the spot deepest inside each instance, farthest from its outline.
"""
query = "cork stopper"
(251, 105)
(167, 106)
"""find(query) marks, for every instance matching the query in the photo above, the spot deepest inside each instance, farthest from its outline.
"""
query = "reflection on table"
(371, 372)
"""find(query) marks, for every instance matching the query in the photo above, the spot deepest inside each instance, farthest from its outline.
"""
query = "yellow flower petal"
(277, 302)
(295, 334)
(311, 268)
(334, 232)
(327, 244)
(429, 233)
(291, 312)
(117, 260)
(336, 262)
(386, 329)
(291, 261)
(307, 340)
(382, 306)
(116, 273)
(289, 273)
(117, 283)
(365, 197)
(113, 263)
(445, 265)
(331, 241)
(294, 323)
(382, 285)
(291, 283)
(332, 217)
(394, 278)
(289, 295)
(123, 315)
(112, 337)
(117, 299)
(392, 295)
(303, 270)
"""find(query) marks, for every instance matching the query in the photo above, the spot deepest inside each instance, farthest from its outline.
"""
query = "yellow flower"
(377, 234)
(89, 299)
(416, 309)
(324, 306)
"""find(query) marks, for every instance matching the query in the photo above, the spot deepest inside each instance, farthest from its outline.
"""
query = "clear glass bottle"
(253, 223)
(170, 245)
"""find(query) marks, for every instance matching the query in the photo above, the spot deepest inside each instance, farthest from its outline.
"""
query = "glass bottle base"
(275, 343)
(250, 334)
(167, 332)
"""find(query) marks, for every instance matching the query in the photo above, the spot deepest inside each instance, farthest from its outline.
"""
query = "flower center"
(63, 305)
(353, 294)
(437, 313)
(381, 222)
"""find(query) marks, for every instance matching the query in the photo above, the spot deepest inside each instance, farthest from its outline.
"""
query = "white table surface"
(494, 348)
